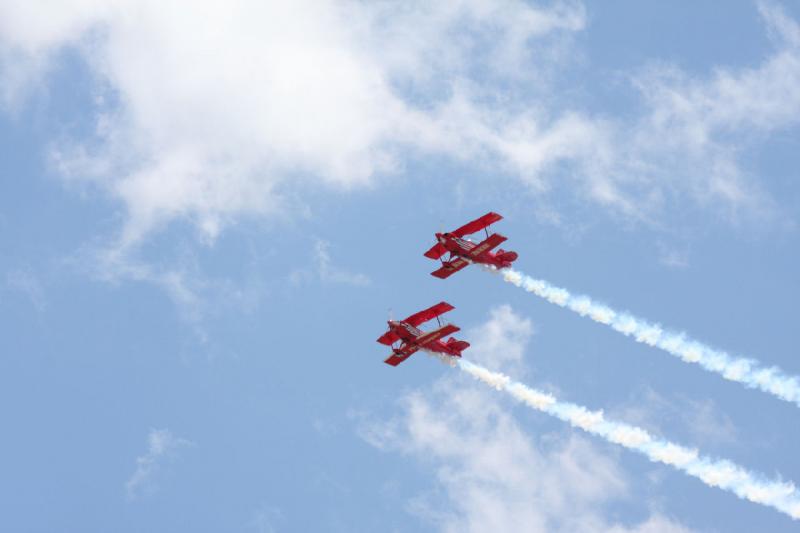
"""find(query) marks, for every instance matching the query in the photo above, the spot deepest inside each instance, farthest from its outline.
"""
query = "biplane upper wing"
(388, 338)
(492, 241)
(429, 314)
(436, 251)
(450, 268)
(477, 224)
(401, 355)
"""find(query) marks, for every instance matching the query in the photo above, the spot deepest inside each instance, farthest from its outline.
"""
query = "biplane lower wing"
(401, 355)
(450, 268)
(429, 314)
(491, 242)
(436, 251)
(389, 338)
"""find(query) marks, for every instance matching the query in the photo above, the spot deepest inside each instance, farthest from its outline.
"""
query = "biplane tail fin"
(457, 345)
(506, 256)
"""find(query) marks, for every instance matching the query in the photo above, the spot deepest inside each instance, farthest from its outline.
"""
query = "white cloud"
(211, 109)
(655, 524)
(493, 476)
(499, 343)
(696, 127)
(489, 474)
(209, 112)
(162, 446)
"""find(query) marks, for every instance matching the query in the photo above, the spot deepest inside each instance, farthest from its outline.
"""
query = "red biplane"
(463, 251)
(411, 338)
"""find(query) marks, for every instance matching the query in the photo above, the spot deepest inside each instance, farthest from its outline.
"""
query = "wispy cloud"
(697, 126)
(672, 257)
(701, 420)
(178, 273)
(26, 282)
(162, 447)
(329, 273)
(326, 272)
(266, 519)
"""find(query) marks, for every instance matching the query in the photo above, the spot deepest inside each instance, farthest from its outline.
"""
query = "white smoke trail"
(726, 475)
(747, 371)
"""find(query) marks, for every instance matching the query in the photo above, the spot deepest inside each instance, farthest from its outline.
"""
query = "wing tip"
(393, 361)
(442, 273)
(436, 251)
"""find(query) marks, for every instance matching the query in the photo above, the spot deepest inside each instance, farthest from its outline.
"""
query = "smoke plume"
(724, 474)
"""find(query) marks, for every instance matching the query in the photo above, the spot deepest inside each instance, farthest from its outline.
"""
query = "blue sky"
(207, 211)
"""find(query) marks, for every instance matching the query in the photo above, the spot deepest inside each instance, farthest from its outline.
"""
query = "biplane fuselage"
(478, 252)
(428, 340)
(462, 251)
(412, 339)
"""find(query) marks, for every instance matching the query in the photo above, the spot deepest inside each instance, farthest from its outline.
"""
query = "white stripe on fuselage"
(480, 249)
(411, 329)
(429, 337)
(471, 249)
(463, 244)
